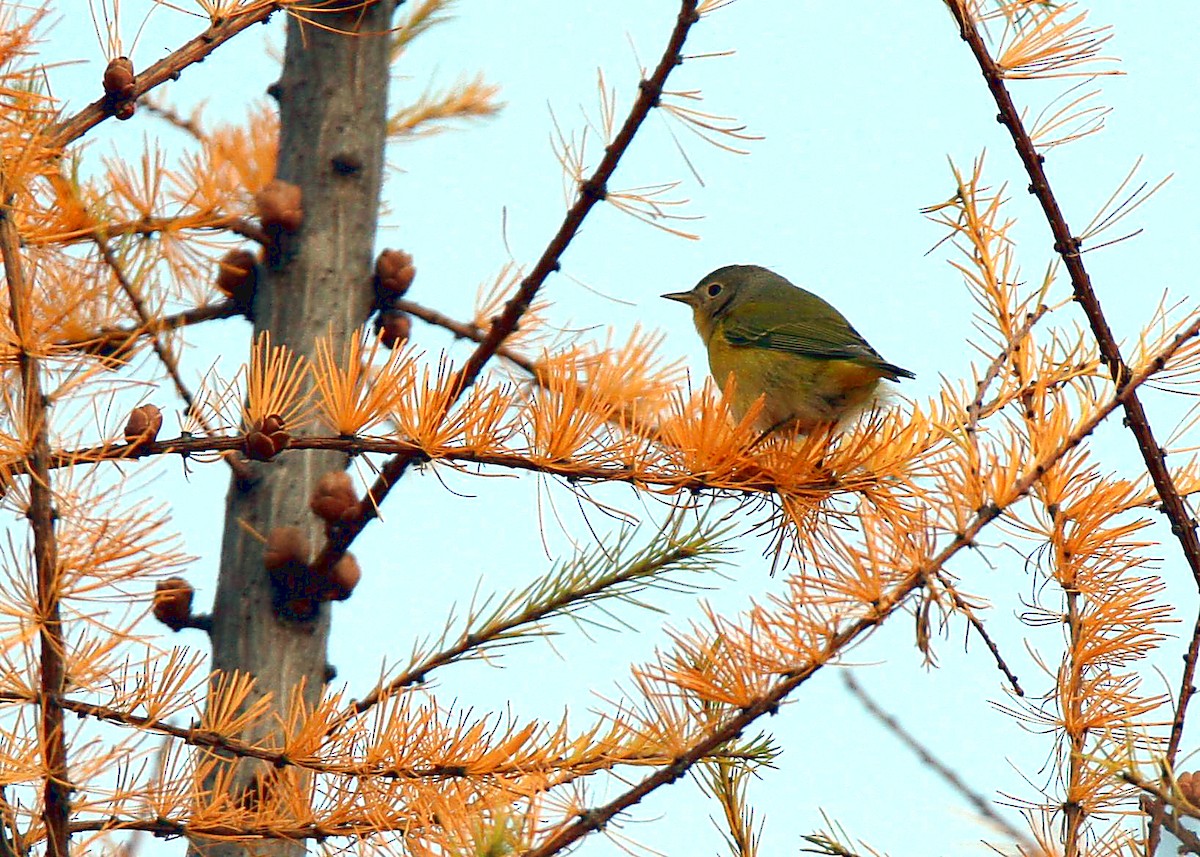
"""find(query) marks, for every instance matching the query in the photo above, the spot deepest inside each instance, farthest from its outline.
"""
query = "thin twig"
(976, 409)
(463, 330)
(168, 68)
(1068, 248)
(172, 117)
(982, 805)
(145, 318)
(961, 605)
(591, 191)
(156, 225)
(1074, 811)
(603, 758)
(114, 339)
(1159, 814)
(56, 789)
(165, 357)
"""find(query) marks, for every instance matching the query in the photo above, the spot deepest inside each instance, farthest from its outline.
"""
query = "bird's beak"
(682, 297)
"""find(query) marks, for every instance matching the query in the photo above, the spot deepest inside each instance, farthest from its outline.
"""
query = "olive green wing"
(823, 337)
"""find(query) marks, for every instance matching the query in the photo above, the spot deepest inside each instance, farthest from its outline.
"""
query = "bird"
(787, 345)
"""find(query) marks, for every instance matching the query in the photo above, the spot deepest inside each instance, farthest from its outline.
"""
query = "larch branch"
(601, 757)
(56, 788)
(148, 226)
(165, 357)
(115, 338)
(579, 472)
(1068, 248)
(168, 68)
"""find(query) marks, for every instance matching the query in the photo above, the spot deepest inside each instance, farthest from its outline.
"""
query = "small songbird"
(785, 344)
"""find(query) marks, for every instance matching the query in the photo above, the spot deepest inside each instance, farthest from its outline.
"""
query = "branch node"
(652, 90)
(594, 189)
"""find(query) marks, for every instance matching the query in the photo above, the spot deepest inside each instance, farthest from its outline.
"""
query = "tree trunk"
(333, 116)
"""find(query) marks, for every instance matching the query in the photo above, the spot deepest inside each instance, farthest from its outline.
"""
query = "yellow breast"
(798, 391)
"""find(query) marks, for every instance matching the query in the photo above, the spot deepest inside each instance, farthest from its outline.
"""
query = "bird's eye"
(714, 289)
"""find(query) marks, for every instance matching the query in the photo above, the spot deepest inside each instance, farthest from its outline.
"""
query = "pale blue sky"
(859, 106)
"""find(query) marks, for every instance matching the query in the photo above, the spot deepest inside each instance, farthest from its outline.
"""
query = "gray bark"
(333, 108)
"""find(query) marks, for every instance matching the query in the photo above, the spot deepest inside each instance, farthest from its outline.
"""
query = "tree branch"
(1068, 248)
(147, 226)
(168, 68)
(165, 357)
(56, 788)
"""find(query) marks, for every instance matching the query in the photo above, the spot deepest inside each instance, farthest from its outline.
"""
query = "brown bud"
(1189, 787)
(343, 577)
(394, 273)
(258, 447)
(173, 602)
(394, 326)
(123, 110)
(237, 275)
(279, 205)
(286, 546)
(267, 440)
(334, 499)
(143, 425)
(119, 79)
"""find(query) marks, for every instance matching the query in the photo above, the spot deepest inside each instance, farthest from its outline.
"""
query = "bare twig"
(961, 605)
(145, 318)
(114, 339)
(982, 805)
(1161, 815)
(463, 330)
(173, 117)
